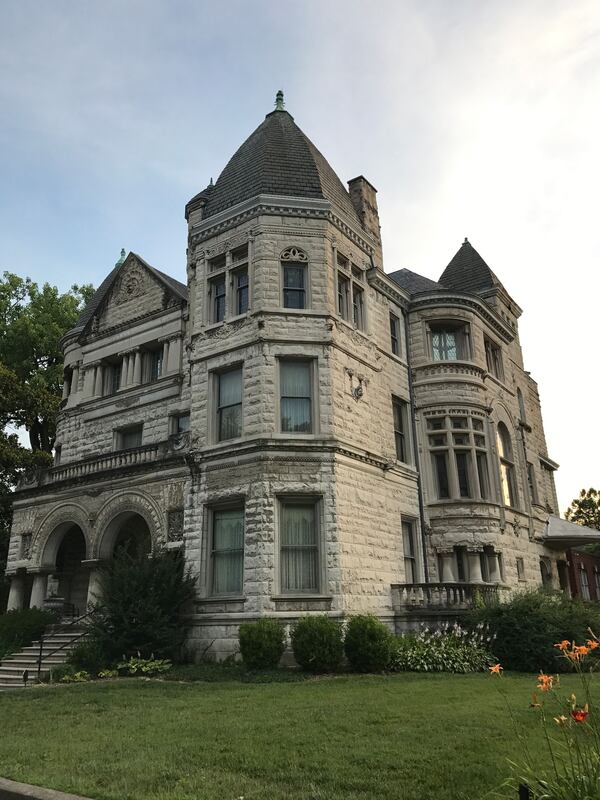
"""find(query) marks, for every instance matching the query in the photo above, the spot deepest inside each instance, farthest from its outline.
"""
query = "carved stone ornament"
(175, 525)
(130, 286)
(294, 254)
(26, 540)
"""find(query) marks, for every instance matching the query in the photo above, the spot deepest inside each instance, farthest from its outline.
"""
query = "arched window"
(507, 467)
(294, 273)
(522, 414)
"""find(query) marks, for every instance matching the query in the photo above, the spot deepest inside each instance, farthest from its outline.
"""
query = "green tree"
(32, 323)
(585, 509)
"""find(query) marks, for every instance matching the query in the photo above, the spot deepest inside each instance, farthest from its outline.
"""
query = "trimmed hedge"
(526, 628)
(318, 643)
(262, 643)
(20, 628)
(369, 644)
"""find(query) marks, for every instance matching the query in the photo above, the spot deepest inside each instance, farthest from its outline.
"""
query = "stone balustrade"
(457, 596)
(117, 459)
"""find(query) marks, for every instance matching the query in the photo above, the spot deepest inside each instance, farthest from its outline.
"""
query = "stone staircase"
(58, 641)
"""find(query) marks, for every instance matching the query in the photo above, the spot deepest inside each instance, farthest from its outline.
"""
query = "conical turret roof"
(277, 159)
(468, 272)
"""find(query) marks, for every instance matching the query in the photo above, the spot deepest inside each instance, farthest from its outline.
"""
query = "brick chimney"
(364, 199)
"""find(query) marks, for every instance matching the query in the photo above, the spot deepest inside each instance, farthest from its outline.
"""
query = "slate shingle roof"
(414, 283)
(176, 287)
(278, 158)
(468, 272)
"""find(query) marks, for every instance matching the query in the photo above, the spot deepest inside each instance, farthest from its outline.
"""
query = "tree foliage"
(585, 509)
(33, 320)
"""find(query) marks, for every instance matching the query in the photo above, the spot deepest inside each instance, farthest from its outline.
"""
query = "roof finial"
(211, 182)
(279, 104)
(122, 259)
(466, 241)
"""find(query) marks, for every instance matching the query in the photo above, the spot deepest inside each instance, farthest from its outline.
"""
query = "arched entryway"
(68, 577)
(127, 532)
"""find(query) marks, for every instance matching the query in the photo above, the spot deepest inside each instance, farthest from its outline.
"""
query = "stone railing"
(456, 596)
(117, 459)
(463, 370)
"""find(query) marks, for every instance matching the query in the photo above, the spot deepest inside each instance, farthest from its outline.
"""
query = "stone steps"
(56, 646)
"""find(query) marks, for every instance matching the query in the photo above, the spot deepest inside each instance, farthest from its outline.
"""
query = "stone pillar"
(124, 370)
(475, 575)
(448, 561)
(495, 576)
(89, 376)
(99, 381)
(165, 357)
(137, 368)
(75, 380)
(38, 592)
(66, 385)
(16, 593)
(93, 594)
(174, 355)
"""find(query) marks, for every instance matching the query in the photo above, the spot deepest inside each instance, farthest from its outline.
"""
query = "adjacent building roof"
(277, 159)
(413, 283)
(562, 533)
(176, 287)
(468, 272)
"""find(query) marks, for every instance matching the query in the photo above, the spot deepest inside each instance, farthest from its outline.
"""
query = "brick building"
(318, 435)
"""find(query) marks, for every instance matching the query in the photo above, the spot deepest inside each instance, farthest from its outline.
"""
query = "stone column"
(495, 576)
(75, 379)
(165, 357)
(89, 376)
(38, 592)
(93, 594)
(137, 368)
(99, 381)
(16, 593)
(66, 386)
(124, 369)
(475, 575)
(174, 355)
(448, 561)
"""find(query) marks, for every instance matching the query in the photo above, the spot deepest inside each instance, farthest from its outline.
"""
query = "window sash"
(182, 423)
(410, 553)
(219, 296)
(343, 296)
(131, 438)
(357, 307)
(394, 334)
(241, 292)
(444, 345)
(584, 583)
(440, 464)
(227, 552)
(294, 288)
(299, 550)
(462, 471)
(229, 404)
(399, 409)
(296, 396)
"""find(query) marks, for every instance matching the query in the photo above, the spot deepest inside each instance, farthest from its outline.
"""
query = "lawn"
(349, 737)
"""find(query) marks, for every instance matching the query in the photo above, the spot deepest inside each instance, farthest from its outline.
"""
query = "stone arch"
(118, 510)
(53, 528)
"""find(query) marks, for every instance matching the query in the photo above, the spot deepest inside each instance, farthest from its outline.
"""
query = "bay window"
(459, 457)
(449, 341)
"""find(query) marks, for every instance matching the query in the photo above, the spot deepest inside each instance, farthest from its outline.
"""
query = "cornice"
(379, 281)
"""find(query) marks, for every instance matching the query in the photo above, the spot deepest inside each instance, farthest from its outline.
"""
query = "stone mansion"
(316, 434)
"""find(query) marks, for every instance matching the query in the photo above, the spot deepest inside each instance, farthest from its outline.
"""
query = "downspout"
(411, 394)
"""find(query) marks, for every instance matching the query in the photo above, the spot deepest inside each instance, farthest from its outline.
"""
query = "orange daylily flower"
(546, 682)
(496, 669)
(592, 644)
(582, 650)
(564, 645)
(580, 714)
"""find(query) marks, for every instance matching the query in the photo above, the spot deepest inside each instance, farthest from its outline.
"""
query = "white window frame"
(317, 502)
(313, 362)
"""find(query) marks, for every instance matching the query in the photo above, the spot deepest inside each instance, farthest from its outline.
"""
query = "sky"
(472, 118)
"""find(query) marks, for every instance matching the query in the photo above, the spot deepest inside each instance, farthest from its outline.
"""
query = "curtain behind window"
(296, 415)
(228, 551)
(299, 550)
(230, 404)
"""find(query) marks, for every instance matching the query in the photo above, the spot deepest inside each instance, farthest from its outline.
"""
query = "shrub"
(20, 628)
(526, 628)
(318, 643)
(140, 610)
(262, 643)
(144, 666)
(88, 656)
(75, 677)
(448, 649)
(369, 644)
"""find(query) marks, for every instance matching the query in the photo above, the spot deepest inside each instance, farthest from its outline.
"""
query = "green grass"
(342, 738)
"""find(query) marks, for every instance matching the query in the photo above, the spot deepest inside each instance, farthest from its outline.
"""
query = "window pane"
(230, 387)
(219, 300)
(131, 438)
(241, 292)
(482, 474)
(399, 407)
(357, 302)
(182, 423)
(296, 405)
(230, 422)
(441, 471)
(299, 551)
(228, 551)
(462, 469)
(343, 292)
(230, 404)
(394, 334)
(293, 277)
(444, 345)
